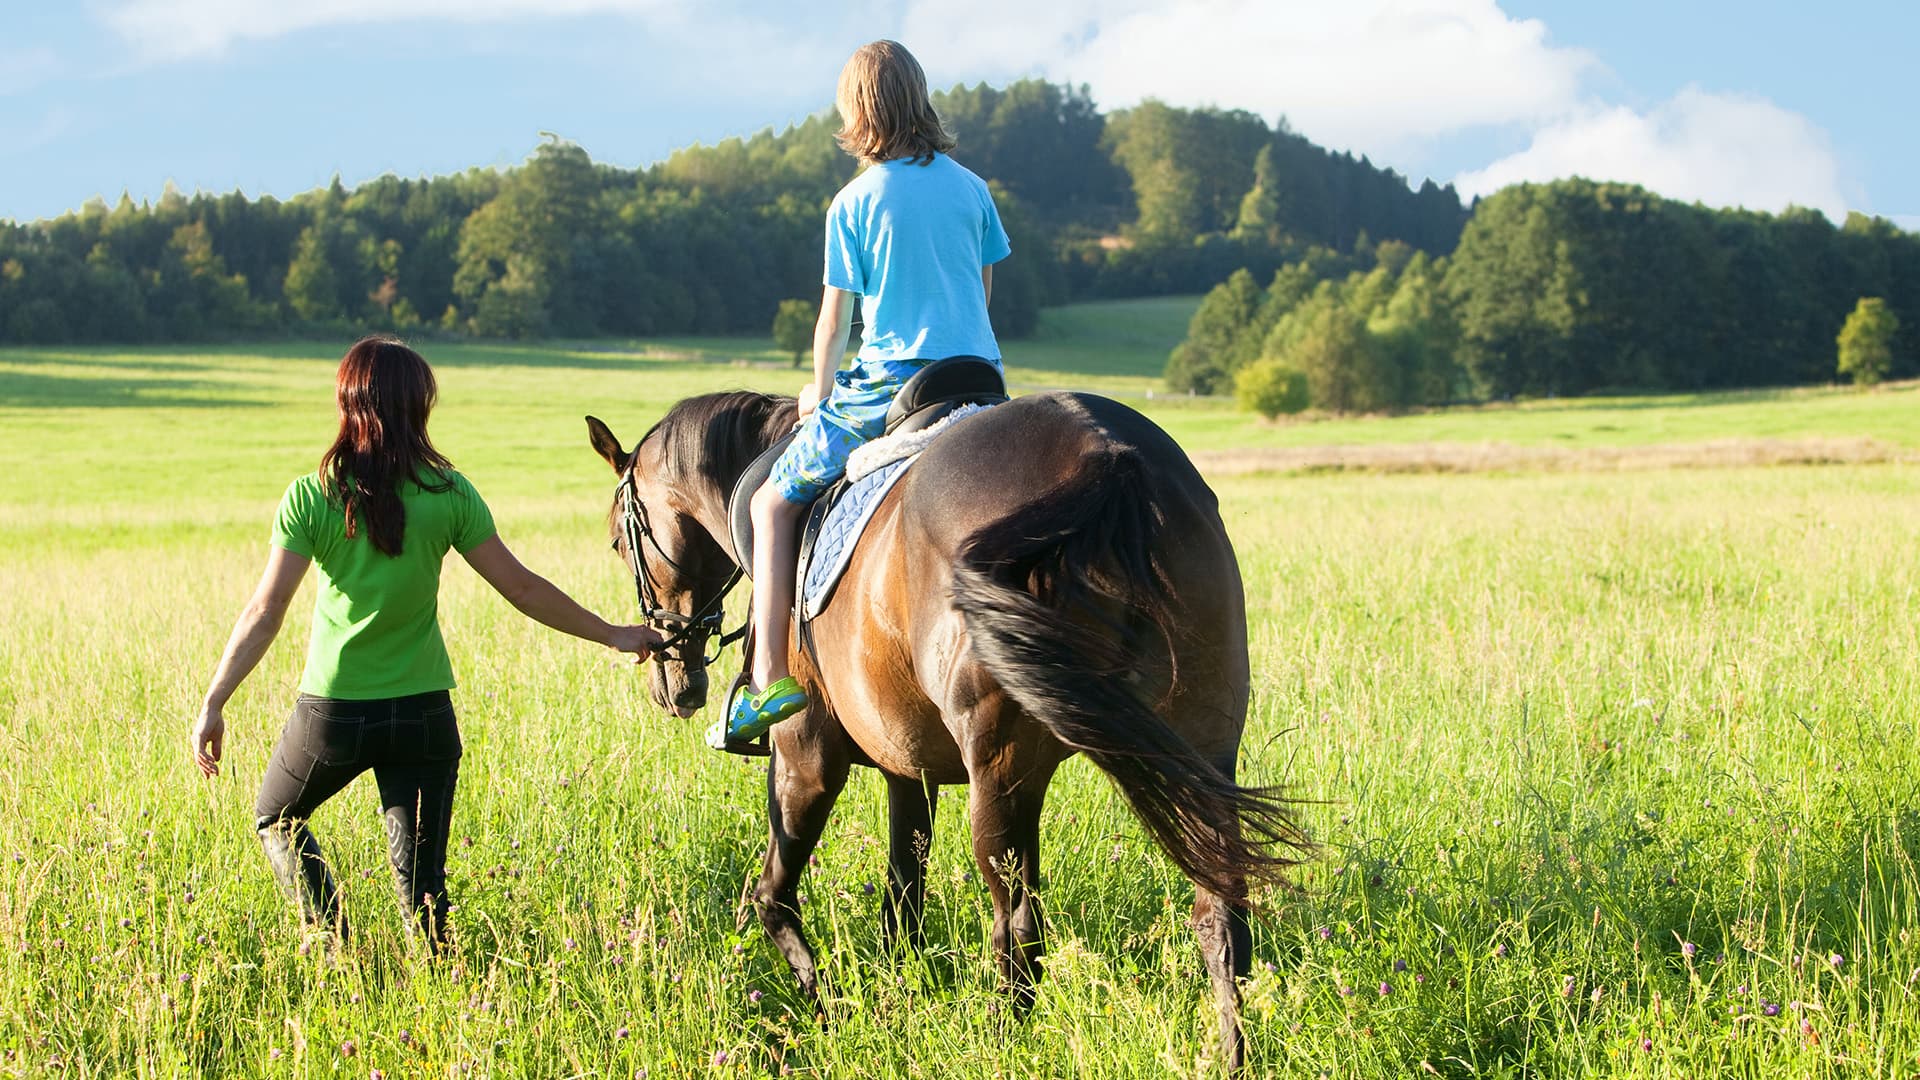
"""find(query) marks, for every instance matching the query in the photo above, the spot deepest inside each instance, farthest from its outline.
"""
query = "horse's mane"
(711, 439)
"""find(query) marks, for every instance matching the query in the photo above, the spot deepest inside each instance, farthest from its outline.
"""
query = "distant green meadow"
(1614, 771)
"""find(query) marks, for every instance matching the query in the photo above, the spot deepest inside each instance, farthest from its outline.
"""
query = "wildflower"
(1566, 988)
(1770, 1008)
(620, 1033)
(1836, 960)
(719, 1057)
(1269, 965)
(1500, 949)
(1326, 933)
(273, 1054)
(1346, 991)
(1386, 989)
(1646, 1045)
(347, 1049)
(126, 924)
(1419, 978)
(867, 888)
(1687, 949)
(1741, 990)
(1399, 965)
(755, 996)
(376, 1074)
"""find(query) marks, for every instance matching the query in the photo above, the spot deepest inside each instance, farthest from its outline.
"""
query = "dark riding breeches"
(412, 744)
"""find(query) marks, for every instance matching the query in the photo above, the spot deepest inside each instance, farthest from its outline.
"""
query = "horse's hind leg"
(1226, 944)
(804, 776)
(1004, 805)
(910, 806)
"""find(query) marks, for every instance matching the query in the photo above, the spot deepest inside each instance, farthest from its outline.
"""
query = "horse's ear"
(606, 445)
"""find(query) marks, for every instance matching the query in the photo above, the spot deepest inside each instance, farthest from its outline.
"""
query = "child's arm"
(829, 344)
(986, 281)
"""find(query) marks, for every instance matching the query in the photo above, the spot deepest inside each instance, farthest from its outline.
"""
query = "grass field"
(1614, 771)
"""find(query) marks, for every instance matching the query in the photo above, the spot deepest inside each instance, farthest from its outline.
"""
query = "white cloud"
(1363, 74)
(179, 29)
(24, 69)
(1719, 149)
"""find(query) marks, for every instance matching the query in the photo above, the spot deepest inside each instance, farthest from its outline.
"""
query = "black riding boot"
(302, 872)
(419, 875)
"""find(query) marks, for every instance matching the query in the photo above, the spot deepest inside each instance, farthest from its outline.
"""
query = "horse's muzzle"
(678, 689)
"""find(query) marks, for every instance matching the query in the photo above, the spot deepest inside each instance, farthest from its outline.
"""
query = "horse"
(1050, 577)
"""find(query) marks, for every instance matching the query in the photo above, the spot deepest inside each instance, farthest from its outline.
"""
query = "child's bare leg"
(775, 552)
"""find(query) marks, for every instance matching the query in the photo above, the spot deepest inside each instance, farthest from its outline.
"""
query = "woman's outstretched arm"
(258, 624)
(542, 601)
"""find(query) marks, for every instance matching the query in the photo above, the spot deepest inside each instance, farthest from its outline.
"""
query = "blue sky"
(1758, 103)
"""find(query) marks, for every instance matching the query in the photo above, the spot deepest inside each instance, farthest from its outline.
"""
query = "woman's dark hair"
(385, 391)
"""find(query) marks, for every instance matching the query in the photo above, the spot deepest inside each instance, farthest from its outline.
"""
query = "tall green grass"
(1613, 764)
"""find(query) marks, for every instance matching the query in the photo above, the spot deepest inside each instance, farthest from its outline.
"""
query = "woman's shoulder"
(306, 487)
(447, 481)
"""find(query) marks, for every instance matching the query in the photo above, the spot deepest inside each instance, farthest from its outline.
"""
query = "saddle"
(931, 395)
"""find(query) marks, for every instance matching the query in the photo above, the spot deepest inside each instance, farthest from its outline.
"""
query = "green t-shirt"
(376, 625)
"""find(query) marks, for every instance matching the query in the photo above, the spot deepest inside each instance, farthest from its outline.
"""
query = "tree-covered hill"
(1564, 288)
(1151, 200)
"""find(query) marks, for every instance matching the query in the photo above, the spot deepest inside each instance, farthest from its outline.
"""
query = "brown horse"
(1051, 577)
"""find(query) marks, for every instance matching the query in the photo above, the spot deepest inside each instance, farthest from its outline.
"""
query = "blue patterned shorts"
(855, 413)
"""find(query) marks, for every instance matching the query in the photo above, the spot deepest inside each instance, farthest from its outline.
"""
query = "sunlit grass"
(1614, 764)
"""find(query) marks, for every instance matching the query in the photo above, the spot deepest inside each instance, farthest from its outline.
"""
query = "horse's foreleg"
(803, 779)
(910, 808)
(1006, 845)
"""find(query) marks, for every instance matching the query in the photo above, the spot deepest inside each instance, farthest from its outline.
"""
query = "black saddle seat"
(943, 386)
(932, 393)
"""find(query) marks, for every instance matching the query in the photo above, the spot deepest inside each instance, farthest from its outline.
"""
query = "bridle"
(679, 629)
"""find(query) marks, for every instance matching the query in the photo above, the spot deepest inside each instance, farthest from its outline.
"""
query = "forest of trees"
(1150, 200)
(1565, 288)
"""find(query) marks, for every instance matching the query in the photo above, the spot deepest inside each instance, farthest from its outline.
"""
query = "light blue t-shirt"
(910, 240)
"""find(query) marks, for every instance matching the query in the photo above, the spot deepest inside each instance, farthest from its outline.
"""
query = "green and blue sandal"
(749, 715)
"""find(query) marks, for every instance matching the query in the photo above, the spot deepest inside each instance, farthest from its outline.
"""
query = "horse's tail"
(1064, 599)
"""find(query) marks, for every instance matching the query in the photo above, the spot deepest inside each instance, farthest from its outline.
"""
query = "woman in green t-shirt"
(378, 516)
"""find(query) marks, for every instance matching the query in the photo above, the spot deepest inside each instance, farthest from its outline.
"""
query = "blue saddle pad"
(846, 519)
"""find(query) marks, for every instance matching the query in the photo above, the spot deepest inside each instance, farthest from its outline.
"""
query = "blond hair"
(885, 113)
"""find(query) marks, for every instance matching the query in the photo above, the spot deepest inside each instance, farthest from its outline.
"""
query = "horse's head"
(681, 574)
